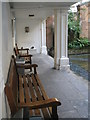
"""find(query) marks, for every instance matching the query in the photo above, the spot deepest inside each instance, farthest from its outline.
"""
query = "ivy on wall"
(73, 26)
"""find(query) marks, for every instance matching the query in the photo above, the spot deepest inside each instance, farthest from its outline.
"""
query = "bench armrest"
(23, 49)
(53, 102)
(28, 67)
(25, 55)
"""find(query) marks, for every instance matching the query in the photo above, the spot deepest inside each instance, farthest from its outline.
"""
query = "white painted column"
(57, 39)
(13, 27)
(43, 38)
(13, 31)
(64, 60)
(61, 60)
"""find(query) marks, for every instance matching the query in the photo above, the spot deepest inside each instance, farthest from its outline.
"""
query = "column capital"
(64, 12)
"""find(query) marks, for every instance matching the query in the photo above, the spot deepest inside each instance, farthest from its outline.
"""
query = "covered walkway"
(62, 84)
(69, 88)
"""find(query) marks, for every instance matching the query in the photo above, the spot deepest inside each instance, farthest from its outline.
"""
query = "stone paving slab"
(69, 88)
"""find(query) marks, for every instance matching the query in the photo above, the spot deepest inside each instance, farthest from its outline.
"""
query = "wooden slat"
(41, 87)
(21, 91)
(26, 90)
(27, 93)
(37, 111)
(44, 110)
(43, 91)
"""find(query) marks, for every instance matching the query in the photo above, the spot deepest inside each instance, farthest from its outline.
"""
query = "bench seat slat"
(37, 111)
(44, 110)
(41, 87)
(26, 90)
(27, 96)
(21, 91)
(43, 91)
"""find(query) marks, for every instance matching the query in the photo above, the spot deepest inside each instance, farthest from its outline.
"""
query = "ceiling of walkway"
(41, 10)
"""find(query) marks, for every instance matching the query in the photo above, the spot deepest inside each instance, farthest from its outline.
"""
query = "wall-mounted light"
(31, 15)
(26, 29)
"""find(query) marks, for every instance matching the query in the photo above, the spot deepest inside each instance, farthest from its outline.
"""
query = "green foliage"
(73, 26)
(74, 31)
(79, 43)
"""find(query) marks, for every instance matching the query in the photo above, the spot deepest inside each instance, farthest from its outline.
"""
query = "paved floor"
(70, 89)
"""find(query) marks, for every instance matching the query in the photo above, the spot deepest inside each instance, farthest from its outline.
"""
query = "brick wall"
(84, 21)
(50, 32)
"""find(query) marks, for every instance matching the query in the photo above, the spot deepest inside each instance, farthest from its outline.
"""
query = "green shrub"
(74, 28)
(79, 43)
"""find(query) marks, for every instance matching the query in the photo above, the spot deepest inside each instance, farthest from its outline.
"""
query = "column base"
(44, 50)
(62, 63)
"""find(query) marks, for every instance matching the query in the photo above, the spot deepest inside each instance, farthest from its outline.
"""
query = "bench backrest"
(16, 51)
(11, 87)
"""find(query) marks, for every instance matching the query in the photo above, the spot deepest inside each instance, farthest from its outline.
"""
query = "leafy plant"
(79, 43)
(73, 26)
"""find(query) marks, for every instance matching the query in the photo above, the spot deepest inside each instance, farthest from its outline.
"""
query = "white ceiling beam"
(43, 1)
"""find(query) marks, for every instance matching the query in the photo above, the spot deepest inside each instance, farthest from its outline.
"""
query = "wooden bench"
(27, 57)
(20, 51)
(23, 52)
(27, 91)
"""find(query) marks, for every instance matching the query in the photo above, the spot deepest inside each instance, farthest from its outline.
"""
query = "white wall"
(7, 43)
(33, 38)
(0, 60)
(7, 50)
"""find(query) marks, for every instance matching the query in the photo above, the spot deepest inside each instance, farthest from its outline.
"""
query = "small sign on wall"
(26, 29)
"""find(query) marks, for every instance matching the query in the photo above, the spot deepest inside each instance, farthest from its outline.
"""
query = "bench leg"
(26, 114)
(54, 113)
(30, 64)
